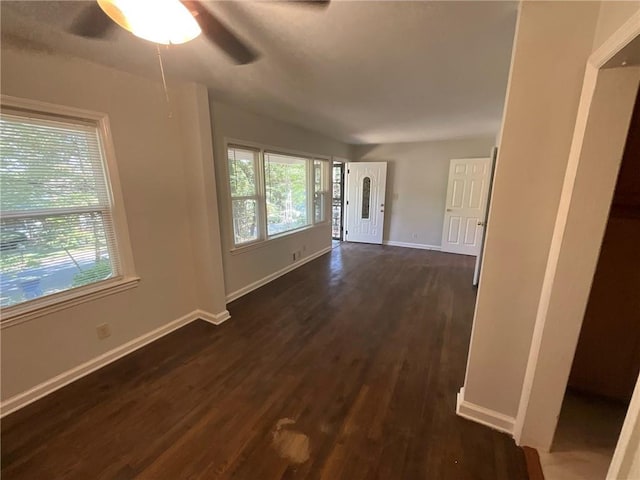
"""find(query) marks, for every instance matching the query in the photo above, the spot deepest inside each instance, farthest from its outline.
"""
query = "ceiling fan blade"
(92, 23)
(219, 34)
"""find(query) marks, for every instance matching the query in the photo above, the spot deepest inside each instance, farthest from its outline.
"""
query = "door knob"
(481, 224)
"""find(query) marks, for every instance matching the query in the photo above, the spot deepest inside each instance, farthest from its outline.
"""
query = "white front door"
(464, 214)
(364, 211)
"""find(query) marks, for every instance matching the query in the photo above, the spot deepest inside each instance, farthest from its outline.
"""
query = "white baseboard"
(216, 319)
(269, 278)
(49, 386)
(484, 416)
(421, 246)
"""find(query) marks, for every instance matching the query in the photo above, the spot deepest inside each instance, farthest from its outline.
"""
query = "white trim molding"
(270, 278)
(52, 303)
(489, 418)
(622, 37)
(626, 457)
(27, 397)
(273, 239)
(420, 246)
(215, 318)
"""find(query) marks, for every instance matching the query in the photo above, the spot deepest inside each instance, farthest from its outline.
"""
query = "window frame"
(308, 178)
(127, 278)
(324, 193)
(258, 195)
(264, 237)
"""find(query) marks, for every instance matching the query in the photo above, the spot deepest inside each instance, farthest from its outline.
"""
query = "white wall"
(243, 268)
(553, 41)
(195, 125)
(582, 218)
(552, 45)
(151, 156)
(417, 175)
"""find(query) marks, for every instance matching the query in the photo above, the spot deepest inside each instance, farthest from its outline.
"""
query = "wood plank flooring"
(346, 368)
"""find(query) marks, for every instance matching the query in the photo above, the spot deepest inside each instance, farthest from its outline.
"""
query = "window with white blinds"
(56, 220)
(274, 193)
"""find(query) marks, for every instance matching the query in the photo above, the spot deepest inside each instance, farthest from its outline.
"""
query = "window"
(273, 193)
(366, 197)
(287, 193)
(320, 190)
(243, 168)
(56, 211)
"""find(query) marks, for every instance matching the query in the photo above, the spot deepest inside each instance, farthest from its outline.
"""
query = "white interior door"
(464, 214)
(364, 210)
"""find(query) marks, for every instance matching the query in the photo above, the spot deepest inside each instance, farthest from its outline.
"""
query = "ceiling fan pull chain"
(164, 81)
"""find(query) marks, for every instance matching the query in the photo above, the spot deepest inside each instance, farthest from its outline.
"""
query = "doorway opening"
(337, 207)
(606, 363)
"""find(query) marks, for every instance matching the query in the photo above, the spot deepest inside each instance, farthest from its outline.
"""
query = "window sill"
(263, 243)
(49, 304)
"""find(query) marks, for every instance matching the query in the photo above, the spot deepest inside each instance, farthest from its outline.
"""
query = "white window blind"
(56, 219)
(243, 183)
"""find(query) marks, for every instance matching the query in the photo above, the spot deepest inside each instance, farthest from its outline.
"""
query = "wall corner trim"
(270, 278)
(43, 389)
(617, 41)
(489, 418)
(215, 318)
(420, 246)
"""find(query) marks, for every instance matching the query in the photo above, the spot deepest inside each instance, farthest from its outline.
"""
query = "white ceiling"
(358, 71)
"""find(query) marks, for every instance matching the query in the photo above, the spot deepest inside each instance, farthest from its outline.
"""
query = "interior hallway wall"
(552, 43)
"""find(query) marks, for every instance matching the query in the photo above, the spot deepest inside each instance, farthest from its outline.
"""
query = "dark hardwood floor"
(346, 368)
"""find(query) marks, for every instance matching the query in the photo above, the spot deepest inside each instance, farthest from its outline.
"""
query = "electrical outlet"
(415, 235)
(103, 330)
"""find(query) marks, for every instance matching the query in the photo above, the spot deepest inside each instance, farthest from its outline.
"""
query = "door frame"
(608, 94)
(343, 166)
(346, 200)
(479, 258)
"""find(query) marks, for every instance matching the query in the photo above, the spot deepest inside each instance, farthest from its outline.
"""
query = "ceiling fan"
(166, 22)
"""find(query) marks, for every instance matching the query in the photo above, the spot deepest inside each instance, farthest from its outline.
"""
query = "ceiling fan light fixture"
(160, 21)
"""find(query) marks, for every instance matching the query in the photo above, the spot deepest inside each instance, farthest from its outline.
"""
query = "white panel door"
(364, 211)
(464, 214)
